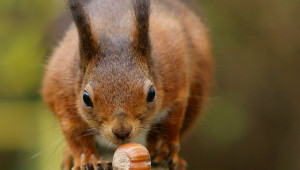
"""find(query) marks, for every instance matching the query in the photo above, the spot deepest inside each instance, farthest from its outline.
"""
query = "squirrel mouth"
(111, 141)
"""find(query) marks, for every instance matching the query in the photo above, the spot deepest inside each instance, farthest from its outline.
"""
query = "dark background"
(253, 117)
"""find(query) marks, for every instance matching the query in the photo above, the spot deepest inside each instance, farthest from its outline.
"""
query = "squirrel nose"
(122, 133)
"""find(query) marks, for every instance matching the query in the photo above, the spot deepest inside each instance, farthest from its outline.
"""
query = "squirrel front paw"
(165, 153)
(92, 164)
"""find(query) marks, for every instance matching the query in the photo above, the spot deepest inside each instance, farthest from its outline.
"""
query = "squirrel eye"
(87, 99)
(151, 95)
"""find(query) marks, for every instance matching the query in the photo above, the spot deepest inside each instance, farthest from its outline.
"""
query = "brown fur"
(116, 52)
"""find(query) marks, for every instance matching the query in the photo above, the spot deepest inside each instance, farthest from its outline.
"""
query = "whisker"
(46, 149)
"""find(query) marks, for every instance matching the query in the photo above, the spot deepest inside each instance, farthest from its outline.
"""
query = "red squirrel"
(125, 66)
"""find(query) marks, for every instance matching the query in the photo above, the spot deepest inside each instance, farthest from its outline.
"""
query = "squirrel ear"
(88, 43)
(141, 41)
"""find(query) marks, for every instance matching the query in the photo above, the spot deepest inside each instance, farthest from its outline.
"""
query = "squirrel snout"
(122, 133)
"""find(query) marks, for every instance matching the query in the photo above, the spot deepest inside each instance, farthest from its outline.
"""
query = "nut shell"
(131, 156)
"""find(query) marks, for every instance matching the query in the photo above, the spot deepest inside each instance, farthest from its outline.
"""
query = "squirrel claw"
(100, 166)
(105, 166)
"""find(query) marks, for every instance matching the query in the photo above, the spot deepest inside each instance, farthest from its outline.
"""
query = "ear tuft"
(141, 34)
(88, 43)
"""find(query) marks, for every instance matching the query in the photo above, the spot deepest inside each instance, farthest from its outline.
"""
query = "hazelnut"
(131, 156)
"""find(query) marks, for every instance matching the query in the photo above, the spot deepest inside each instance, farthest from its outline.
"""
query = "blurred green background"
(252, 120)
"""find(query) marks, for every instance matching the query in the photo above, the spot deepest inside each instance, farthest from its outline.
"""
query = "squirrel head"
(117, 93)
